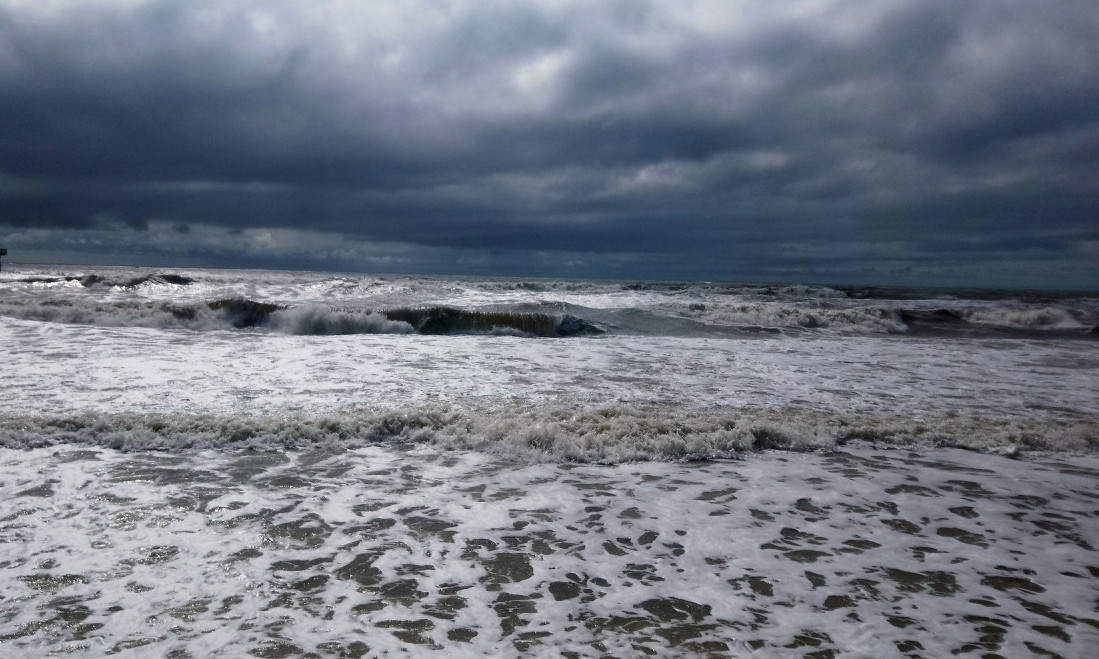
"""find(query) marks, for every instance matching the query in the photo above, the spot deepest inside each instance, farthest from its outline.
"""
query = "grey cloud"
(627, 131)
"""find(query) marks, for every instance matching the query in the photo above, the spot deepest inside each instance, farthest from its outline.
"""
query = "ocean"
(201, 462)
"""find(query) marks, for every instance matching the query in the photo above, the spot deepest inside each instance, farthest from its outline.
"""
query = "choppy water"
(307, 464)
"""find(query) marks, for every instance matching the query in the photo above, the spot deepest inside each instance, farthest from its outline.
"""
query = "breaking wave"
(315, 319)
(611, 433)
(306, 319)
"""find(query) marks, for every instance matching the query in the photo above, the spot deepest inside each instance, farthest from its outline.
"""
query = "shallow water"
(379, 550)
(620, 394)
(219, 463)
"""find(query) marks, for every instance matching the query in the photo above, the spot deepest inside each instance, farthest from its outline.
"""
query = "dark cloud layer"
(895, 141)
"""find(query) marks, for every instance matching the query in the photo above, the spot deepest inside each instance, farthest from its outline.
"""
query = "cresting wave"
(607, 434)
(305, 319)
(316, 319)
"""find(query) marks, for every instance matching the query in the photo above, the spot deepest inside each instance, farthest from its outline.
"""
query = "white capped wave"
(878, 319)
(610, 433)
(316, 319)
(1025, 318)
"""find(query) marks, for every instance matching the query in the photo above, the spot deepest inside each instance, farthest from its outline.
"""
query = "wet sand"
(410, 550)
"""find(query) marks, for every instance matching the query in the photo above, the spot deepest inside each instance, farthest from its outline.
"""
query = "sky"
(815, 141)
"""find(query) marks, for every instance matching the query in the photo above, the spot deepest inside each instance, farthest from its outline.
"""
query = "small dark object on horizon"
(3, 252)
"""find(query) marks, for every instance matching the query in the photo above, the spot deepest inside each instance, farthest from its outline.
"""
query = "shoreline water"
(719, 472)
(401, 548)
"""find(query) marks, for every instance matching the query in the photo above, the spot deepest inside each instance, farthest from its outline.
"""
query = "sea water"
(312, 464)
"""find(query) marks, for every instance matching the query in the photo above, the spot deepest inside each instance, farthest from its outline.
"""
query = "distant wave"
(97, 280)
(609, 433)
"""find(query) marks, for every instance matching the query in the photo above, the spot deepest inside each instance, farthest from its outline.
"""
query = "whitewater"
(279, 464)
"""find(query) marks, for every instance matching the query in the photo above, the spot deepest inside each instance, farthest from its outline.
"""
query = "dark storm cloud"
(706, 138)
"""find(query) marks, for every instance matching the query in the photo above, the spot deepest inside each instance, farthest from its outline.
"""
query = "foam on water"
(304, 464)
(610, 433)
(387, 550)
(74, 365)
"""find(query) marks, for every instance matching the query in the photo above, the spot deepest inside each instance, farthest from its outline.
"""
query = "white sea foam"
(269, 464)
(611, 433)
(386, 550)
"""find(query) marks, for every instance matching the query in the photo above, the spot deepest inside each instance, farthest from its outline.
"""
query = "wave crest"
(306, 319)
